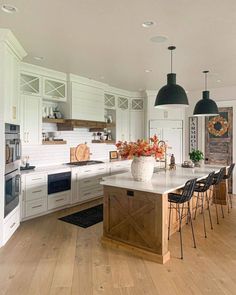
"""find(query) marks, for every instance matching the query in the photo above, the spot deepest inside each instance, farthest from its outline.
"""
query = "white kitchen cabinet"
(11, 86)
(30, 84)
(137, 119)
(86, 182)
(11, 53)
(87, 102)
(11, 223)
(119, 167)
(54, 90)
(31, 119)
(122, 119)
(109, 101)
(58, 200)
(34, 195)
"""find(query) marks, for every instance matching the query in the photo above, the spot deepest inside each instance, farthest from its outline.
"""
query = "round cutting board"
(82, 152)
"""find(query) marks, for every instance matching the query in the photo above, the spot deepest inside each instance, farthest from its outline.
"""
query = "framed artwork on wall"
(193, 133)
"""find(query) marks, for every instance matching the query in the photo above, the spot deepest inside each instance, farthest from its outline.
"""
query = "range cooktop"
(84, 163)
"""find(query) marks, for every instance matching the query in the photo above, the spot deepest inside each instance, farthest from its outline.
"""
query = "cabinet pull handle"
(36, 178)
(101, 168)
(24, 136)
(36, 206)
(35, 192)
(59, 200)
(87, 170)
(13, 224)
(27, 136)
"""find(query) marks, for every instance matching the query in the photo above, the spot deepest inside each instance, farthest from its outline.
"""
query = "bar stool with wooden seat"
(202, 188)
(175, 201)
(227, 177)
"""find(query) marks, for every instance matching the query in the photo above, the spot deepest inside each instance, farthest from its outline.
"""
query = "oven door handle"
(8, 153)
(18, 149)
(18, 184)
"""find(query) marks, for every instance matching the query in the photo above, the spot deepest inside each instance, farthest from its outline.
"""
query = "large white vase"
(142, 168)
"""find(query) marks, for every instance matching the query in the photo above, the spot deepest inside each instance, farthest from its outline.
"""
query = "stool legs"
(191, 222)
(203, 215)
(209, 209)
(180, 212)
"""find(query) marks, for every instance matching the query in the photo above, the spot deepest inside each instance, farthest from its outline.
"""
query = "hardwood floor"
(48, 256)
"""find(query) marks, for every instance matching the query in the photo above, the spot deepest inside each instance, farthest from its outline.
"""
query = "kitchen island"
(136, 213)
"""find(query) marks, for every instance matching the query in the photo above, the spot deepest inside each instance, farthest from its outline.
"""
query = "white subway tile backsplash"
(43, 155)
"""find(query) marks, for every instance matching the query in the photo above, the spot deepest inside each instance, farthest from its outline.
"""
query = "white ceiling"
(95, 38)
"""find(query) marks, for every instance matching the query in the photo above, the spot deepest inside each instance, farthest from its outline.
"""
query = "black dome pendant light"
(171, 95)
(206, 106)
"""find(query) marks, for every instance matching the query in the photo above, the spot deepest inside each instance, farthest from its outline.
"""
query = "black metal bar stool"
(175, 201)
(202, 188)
(227, 177)
(217, 179)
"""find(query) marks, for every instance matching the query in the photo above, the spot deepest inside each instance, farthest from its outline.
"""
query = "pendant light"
(206, 106)
(171, 95)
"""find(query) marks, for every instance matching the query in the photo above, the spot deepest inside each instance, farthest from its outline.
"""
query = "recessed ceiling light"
(9, 8)
(38, 58)
(148, 24)
(218, 81)
(102, 77)
(148, 71)
(159, 39)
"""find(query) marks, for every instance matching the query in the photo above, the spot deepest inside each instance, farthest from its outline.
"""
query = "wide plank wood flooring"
(48, 256)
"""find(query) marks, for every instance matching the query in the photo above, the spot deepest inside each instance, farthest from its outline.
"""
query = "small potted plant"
(196, 156)
(143, 153)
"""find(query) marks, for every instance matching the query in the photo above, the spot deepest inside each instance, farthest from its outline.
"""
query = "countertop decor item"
(206, 106)
(171, 95)
(113, 155)
(196, 156)
(143, 154)
(80, 153)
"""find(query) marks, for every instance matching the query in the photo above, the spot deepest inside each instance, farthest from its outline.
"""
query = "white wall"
(225, 97)
(45, 155)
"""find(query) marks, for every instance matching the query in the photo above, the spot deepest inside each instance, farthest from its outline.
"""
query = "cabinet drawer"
(37, 192)
(58, 200)
(35, 179)
(35, 207)
(11, 225)
(89, 182)
(92, 170)
(92, 193)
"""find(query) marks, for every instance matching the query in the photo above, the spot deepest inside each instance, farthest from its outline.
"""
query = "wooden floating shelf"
(52, 120)
(53, 142)
(104, 141)
(110, 125)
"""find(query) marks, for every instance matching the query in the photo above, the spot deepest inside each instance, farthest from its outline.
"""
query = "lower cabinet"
(11, 223)
(34, 195)
(86, 183)
(36, 201)
(35, 207)
(58, 200)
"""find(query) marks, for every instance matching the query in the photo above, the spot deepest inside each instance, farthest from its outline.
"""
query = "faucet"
(160, 143)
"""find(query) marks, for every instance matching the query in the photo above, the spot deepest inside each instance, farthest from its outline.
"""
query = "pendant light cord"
(205, 72)
(171, 48)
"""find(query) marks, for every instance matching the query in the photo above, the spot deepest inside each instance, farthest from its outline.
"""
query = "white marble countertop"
(64, 167)
(162, 182)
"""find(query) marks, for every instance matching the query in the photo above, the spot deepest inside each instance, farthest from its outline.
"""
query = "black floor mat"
(85, 218)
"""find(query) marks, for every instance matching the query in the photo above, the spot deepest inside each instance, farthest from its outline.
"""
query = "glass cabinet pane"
(54, 88)
(29, 84)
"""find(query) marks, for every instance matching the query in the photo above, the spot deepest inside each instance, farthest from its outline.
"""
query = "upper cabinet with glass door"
(30, 84)
(55, 90)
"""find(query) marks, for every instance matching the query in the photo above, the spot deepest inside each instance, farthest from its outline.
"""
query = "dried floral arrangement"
(141, 148)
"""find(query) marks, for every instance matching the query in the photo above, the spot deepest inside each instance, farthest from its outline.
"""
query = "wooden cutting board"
(80, 153)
